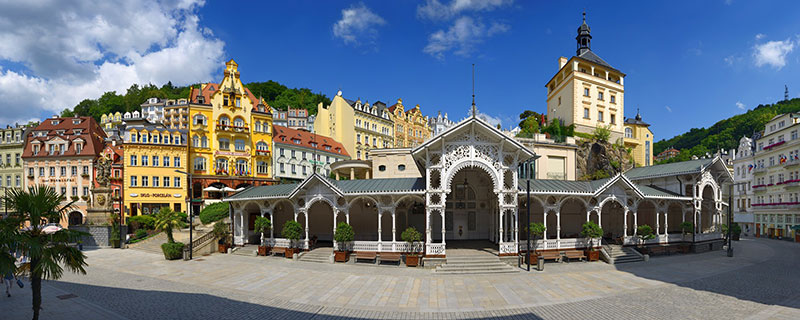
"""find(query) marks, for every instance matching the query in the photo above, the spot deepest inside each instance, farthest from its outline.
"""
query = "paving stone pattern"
(760, 283)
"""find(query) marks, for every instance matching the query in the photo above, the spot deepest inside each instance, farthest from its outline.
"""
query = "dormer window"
(78, 148)
(225, 100)
(35, 149)
(54, 122)
(76, 121)
(77, 131)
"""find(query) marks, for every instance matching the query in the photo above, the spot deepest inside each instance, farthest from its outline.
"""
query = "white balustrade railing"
(707, 236)
(508, 247)
(435, 249)
(371, 246)
(277, 242)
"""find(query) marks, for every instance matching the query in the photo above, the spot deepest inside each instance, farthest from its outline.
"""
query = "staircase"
(619, 254)
(321, 255)
(472, 262)
(249, 251)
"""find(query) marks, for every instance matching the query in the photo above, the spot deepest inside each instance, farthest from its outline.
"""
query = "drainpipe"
(680, 185)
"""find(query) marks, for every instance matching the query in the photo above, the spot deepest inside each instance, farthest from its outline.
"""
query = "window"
(74, 170)
(196, 141)
(30, 172)
(292, 154)
(78, 148)
(585, 92)
(600, 95)
(238, 122)
(401, 167)
(166, 161)
(64, 191)
(225, 100)
(381, 168)
(144, 162)
(224, 120)
(176, 161)
(200, 164)
(86, 170)
(52, 171)
(794, 134)
(155, 138)
(204, 142)
(74, 191)
(600, 116)
(282, 168)
(176, 182)
(628, 133)
(262, 167)
(63, 172)
(221, 165)
(155, 161)
(613, 99)
(199, 119)
(262, 146)
(144, 181)
(224, 144)
(133, 181)
(294, 169)
(613, 118)
(304, 170)
(647, 154)
(155, 181)
(85, 191)
(586, 113)
(144, 138)
(41, 171)
(239, 145)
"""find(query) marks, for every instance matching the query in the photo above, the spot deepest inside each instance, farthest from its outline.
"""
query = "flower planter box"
(341, 256)
(684, 248)
(592, 255)
(262, 250)
(736, 237)
(289, 253)
(533, 257)
(222, 248)
(412, 260)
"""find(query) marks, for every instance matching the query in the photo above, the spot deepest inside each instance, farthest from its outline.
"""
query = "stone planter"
(736, 237)
(340, 256)
(412, 260)
(684, 248)
(115, 243)
(262, 250)
(592, 255)
(290, 252)
(222, 247)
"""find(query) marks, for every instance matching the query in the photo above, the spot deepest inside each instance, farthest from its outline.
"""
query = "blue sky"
(688, 63)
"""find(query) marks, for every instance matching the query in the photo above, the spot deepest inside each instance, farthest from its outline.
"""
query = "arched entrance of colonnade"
(472, 216)
(708, 211)
(320, 224)
(612, 220)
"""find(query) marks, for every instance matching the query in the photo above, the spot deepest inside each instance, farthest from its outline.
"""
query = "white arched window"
(224, 120)
(200, 164)
(199, 119)
(262, 146)
(204, 142)
(238, 122)
(258, 126)
(628, 133)
(196, 141)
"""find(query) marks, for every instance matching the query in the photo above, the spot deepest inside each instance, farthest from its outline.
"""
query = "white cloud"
(760, 36)
(494, 121)
(728, 2)
(435, 10)
(729, 60)
(668, 108)
(461, 37)
(772, 53)
(357, 25)
(84, 49)
(740, 105)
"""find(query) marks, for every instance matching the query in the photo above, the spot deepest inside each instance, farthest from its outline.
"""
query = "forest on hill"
(725, 134)
(276, 95)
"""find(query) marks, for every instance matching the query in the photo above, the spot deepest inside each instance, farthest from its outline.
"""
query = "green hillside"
(726, 133)
(275, 94)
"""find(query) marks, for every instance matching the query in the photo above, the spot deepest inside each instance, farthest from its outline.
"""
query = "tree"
(49, 254)
(292, 230)
(644, 233)
(411, 236)
(344, 234)
(601, 133)
(262, 224)
(537, 230)
(591, 231)
(168, 220)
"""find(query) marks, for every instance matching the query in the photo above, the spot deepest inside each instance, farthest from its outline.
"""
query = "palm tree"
(48, 253)
(168, 220)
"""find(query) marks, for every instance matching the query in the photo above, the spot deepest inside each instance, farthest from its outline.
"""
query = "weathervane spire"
(474, 110)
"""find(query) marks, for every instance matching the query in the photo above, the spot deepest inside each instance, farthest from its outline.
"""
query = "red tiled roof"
(208, 89)
(305, 140)
(91, 133)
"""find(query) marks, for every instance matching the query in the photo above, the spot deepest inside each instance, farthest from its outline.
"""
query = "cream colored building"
(639, 138)
(383, 164)
(587, 91)
(556, 160)
(360, 127)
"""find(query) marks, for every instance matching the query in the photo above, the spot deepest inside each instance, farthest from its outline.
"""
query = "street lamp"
(190, 208)
(527, 164)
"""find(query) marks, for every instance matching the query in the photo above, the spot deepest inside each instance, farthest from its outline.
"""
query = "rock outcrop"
(600, 159)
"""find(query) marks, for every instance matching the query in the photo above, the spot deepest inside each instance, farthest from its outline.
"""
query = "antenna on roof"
(474, 110)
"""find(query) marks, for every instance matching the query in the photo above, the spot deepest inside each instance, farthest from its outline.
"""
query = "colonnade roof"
(670, 169)
(595, 187)
(342, 187)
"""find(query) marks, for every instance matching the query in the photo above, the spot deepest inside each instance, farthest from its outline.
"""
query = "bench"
(366, 255)
(277, 250)
(391, 257)
(574, 254)
(550, 255)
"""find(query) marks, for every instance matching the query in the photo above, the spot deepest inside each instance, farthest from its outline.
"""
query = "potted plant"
(262, 224)
(292, 231)
(167, 220)
(687, 228)
(737, 232)
(412, 236)
(591, 231)
(114, 237)
(221, 231)
(74, 198)
(644, 233)
(537, 230)
(343, 235)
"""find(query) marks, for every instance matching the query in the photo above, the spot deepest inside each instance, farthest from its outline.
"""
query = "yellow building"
(410, 127)
(231, 135)
(152, 153)
(639, 138)
(359, 126)
(587, 91)
(109, 121)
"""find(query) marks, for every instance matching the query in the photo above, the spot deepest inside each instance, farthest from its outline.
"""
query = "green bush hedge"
(214, 212)
(140, 233)
(144, 221)
(173, 250)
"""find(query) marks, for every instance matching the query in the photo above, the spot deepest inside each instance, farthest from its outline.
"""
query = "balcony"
(758, 170)
(232, 128)
(262, 152)
(791, 163)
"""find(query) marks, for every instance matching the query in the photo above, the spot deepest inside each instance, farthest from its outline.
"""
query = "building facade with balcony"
(743, 165)
(410, 126)
(440, 123)
(639, 138)
(230, 136)
(111, 120)
(775, 180)
(299, 152)
(152, 155)
(667, 154)
(587, 91)
(360, 127)
(292, 118)
(61, 153)
(12, 143)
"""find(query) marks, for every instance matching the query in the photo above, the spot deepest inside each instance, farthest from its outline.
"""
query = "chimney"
(561, 62)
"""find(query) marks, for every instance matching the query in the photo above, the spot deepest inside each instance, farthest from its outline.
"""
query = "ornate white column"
(444, 229)
(272, 230)
(394, 230)
(305, 214)
(635, 222)
(263, 212)
(625, 223)
(666, 223)
(380, 238)
(335, 214)
(544, 220)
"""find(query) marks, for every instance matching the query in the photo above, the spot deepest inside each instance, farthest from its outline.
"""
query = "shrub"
(644, 233)
(292, 230)
(146, 222)
(411, 235)
(262, 224)
(592, 231)
(221, 231)
(141, 233)
(602, 133)
(344, 234)
(168, 220)
(172, 250)
(687, 227)
(214, 212)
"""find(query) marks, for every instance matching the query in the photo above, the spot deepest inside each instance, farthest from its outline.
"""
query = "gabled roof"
(312, 177)
(590, 56)
(669, 169)
(595, 188)
(476, 122)
(306, 138)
